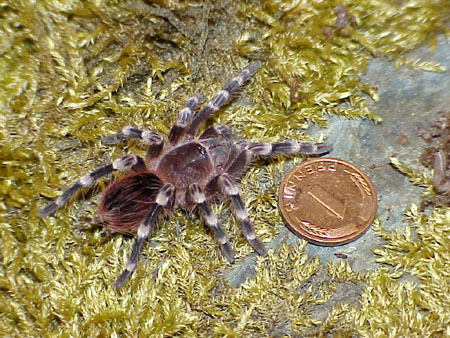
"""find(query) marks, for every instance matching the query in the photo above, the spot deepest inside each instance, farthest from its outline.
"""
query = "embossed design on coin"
(327, 201)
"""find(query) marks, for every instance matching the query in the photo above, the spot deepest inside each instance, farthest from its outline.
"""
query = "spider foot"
(258, 246)
(123, 278)
(111, 140)
(48, 210)
(227, 252)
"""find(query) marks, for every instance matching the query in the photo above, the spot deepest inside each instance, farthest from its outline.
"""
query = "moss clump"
(421, 251)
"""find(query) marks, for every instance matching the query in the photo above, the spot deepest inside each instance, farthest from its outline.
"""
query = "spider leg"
(248, 150)
(147, 136)
(237, 163)
(163, 199)
(196, 195)
(288, 147)
(152, 139)
(183, 118)
(216, 130)
(221, 97)
(122, 163)
(231, 190)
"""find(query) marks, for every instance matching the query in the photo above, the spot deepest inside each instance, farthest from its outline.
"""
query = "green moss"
(419, 306)
(416, 177)
(72, 72)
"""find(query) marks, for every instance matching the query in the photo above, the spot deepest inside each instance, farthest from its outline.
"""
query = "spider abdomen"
(125, 202)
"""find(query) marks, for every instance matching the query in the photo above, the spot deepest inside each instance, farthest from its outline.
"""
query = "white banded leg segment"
(231, 190)
(152, 139)
(127, 162)
(154, 142)
(88, 180)
(122, 135)
(184, 117)
(289, 147)
(163, 198)
(196, 195)
(243, 76)
(149, 137)
(165, 195)
(221, 97)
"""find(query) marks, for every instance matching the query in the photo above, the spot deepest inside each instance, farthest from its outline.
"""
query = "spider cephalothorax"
(187, 171)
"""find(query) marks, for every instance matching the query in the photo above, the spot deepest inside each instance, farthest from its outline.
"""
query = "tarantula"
(188, 171)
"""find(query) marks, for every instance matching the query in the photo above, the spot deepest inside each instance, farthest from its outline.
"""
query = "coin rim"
(317, 240)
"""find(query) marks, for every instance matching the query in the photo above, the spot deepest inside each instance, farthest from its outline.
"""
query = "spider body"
(125, 202)
(188, 171)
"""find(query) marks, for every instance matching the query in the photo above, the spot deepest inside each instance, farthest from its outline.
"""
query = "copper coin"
(327, 201)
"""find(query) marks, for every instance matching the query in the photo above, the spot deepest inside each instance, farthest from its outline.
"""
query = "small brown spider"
(188, 171)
